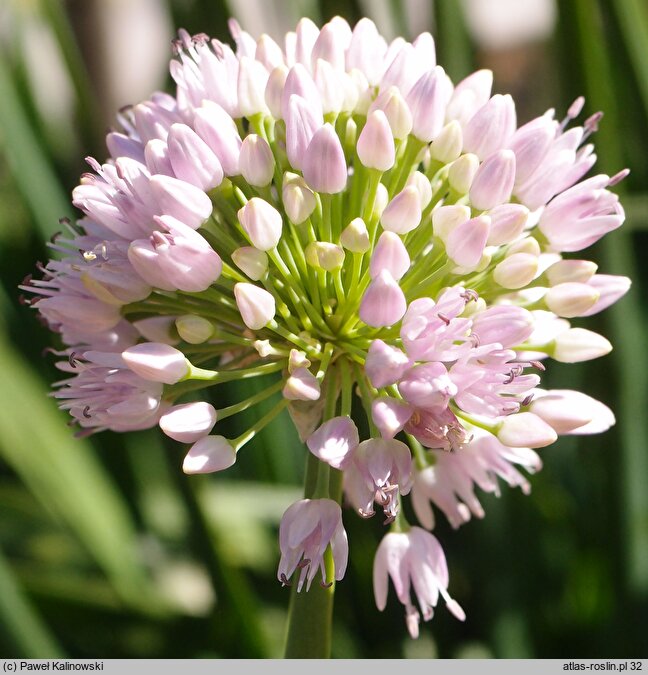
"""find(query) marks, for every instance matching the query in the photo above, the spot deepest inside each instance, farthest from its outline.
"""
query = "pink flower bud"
(192, 159)
(389, 254)
(188, 422)
(571, 299)
(462, 173)
(525, 430)
(180, 200)
(567, 411)
(251, 261)
(302, 385)
(157, 362)
(611, 288)
(300, 83)
(251, 84)
(307, 33)
(330, 45)
(331, 89)
(298, 200)
(398, 114)
(530, 143)
(219, 131)
(375, 146)
(427, 102)
(209, 454)
(493, 182)
(256, 161)
(507, 325)
(579, 344)
(516, 271)
(302, 121)
(427, 386)
(334, 441)
(507, 223)
(385, 364)
(383, 303)
(390, 415)
(274, 90)
(262, 223)
(447, 146)
(256, 305)
(446, 218)
(355, 237)
(491, 128)
(324, 255)
(469, 96)
(176, 258)
(465, 244)
(156, 157)
(194, 329)
(120, 145)
(422, 183)
(580, 271)
(268, 52)
(366, 50)
(403, 213)
(324, 165)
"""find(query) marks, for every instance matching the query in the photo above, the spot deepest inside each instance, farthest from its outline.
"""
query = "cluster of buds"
(335, 216)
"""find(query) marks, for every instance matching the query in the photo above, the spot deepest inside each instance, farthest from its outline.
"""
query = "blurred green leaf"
(22, 624)
(65, 476)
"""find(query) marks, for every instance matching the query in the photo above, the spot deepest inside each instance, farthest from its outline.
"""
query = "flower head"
(335, 214)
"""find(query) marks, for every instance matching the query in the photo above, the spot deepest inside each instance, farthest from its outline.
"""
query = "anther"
(94, 164)
(86, 412)
(618, 177)
(55, 236)
(73, 361)
(526, 401)
(284, 580)
(538, 365)
(303, 563)
(64, 220)
(591, 124)
(323, 584)
(444, 318)
(469, 295)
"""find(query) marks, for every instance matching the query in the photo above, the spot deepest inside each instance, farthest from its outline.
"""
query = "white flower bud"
(447, 146)
(324, 255)
(462, 172)
(355, 237)
(251, 261)
(579, 344)
(194, 329)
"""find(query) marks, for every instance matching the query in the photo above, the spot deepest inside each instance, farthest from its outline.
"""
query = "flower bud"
(274, 90)
(492, 126)
(469, 96)
(446, 218)
(375, 145)
(422, 183)
(219, 131)
(383, 303)
(256, 305)
(209, 454)
(331, 89)
(403, 213)
(262, 223)
(299, 83)
(427, 386)
(580, 271)
(610, 287)
(156, 157)
(251, 261)
(427, 102)
(389, 254)
(192, 159)
(446, 147)
(302, 385)
(390, 415)
(324, 255)
(570, 299)
(516, 271)
(465, 244)
(462, 173)
(579, 344)
(251, 84)
(334, 441)
(302, 121)
(324, 165)
(565, 410)
(298, 200)
(507, 223)
(188, 422)
(194, 329)
(355, 237)
(380, 202)
(256, 161)
(493, 182)
(297, 359)
(398, 114)
(528, 245)
(157, 362)
(525, 430)
(158, 329)
(180, 200)
(268, 52)
(385, 364)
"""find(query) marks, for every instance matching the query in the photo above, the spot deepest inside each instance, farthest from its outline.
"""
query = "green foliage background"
(108, 550)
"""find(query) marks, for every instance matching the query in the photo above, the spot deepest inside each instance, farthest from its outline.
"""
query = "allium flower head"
(334, 215)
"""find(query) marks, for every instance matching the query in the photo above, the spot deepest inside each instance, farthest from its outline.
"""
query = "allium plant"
(335, 216)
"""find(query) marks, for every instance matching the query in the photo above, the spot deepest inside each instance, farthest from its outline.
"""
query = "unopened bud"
(298, 200)
(324, 255)
(447, 146)
(462, 172)
(355, 236)
(376, 144)
(525, 430)
(571, 299)
(422, 183)
(256, 161)
(256, 305)
(579, 344)
(251, 261)
(446, 218)
(403, 213)
(580, 271)
(188, 422)
(209, 454)
(194, 329)
(516, 271)
(157, 362)
(262, 223)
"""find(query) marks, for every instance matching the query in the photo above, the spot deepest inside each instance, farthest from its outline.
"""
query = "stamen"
(469, 295)
(73, 361)
(526, 401)
(538, 365)
(444, 318)
(323, 584)
(284, 580)
(86, 412)
(618, 177)
(303, 563)
(591, 124)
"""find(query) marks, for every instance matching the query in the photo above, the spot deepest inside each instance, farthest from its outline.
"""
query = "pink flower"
(415, 562)
(308, 528)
